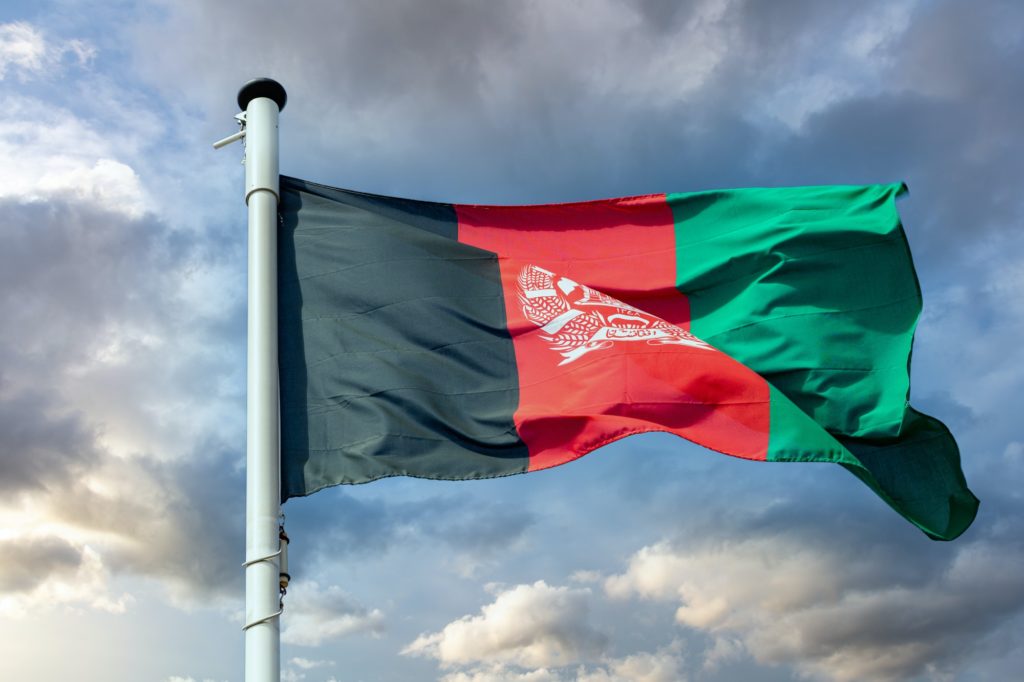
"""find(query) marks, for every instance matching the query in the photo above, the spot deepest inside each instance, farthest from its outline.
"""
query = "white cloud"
(21, 46)
(829, 612)
(318, 615)
(585, 577)
(531, 626)
(501, 673)
(50, 153)
(25, 51)
(309, 664)
(662, 666)
(759, 570)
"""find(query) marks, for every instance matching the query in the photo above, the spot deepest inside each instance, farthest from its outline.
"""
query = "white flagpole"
(262, 100)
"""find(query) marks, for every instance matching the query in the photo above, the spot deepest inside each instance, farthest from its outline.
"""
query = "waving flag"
(461, 342)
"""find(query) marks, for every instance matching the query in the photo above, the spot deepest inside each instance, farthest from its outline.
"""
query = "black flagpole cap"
(262, 87)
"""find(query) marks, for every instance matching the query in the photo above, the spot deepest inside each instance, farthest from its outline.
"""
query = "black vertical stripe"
(395, 357)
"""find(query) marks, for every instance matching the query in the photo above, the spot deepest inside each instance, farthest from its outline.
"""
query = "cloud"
(309, 664)
(664, 665)
(514, 91)
(21, 46)
(49, 152)
(39, 444)
(723, 650)
(120, 363)
(83, 455)
(26, 52)
(501, 673)
(545, 101)
(178, 520)
(532, 626)
(103, 364)
(973, 365)
(98, 310)
(68, 576)
(829, 610)
(318, 615)
(119, 371)
(31, 561)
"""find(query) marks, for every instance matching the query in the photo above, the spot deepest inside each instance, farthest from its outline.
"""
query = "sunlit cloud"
(827, 610)
(49, 574)
(532, 626)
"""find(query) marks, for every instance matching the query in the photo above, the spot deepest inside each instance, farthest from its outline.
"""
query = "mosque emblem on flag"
(576, 319)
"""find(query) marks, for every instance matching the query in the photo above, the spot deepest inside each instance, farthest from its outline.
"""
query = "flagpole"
(262, 100)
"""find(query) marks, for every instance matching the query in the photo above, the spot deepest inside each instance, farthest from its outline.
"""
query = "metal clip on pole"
(233, 138)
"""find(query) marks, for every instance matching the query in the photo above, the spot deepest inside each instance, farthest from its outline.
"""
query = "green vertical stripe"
(810, 286)
(814, 289)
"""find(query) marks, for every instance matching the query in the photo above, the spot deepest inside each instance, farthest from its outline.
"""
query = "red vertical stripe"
(569, 406)
(623, 247)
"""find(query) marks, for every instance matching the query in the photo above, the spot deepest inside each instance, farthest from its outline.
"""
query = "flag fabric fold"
(460, 342)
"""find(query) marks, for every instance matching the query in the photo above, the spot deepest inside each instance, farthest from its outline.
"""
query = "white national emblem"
(577, 319)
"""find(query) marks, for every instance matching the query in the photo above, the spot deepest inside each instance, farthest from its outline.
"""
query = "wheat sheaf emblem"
(576, 320)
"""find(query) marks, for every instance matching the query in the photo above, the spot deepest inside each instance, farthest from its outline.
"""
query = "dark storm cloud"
(179, 521)
(357, 54)
(76, 265)
(73, 278)
(39, 448)
(65, 271)
(958, 181)
(70, 275)
(536, 102)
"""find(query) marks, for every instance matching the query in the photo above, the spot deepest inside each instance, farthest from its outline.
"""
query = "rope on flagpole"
(265, 619)
(284, 577)
(249, 563)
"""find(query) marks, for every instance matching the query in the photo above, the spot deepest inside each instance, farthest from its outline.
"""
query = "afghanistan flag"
(461, 342)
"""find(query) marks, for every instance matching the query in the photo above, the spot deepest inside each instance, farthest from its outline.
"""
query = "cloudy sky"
(122, 341)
